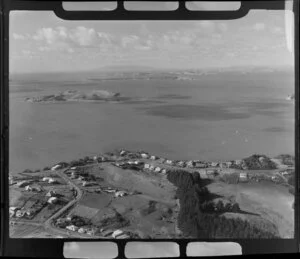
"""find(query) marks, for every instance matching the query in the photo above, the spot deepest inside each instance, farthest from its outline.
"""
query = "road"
(49, 222)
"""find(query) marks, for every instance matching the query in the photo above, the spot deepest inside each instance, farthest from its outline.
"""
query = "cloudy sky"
(41, 42)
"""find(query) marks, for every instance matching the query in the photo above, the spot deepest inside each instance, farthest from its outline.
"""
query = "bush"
(254, 163)
(197, 217)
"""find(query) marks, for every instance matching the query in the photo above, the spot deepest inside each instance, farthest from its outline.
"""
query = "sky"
(42, 42)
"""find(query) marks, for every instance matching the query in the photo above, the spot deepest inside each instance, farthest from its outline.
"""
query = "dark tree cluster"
(195, 221)
(257, 162)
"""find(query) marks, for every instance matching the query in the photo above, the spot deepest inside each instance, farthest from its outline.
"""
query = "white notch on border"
(97, 250)
(151, 249)
(90, 6)
(213, 249)
(151, 6)
(213, 6)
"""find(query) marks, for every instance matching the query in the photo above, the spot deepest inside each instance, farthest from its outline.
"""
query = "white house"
(116, 233)
(214, 164)
(20, 213)
(146, 166)
(164, 171)
(55, 167)
(51, 180)
(153, 157)
(73, 168)
(181, 163)
(124, 236)
(72, 228)
(243, 176)
(52, 200)
(144, 155)
(28, 188)
(123, 153)
(190, 163)
(169, 162)
(82, 230)
(46, 179)
(151, 168)
(157, 169)
(51, 193)
(120, 194)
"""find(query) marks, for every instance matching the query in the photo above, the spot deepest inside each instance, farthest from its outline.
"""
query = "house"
(28, 188)
(82, 230)
(164, 171)
(81, 178)
(190, 163)
(120, 194)
(52, 200)
(144, 155)
(85, 184)
(73, 168)
(20, 213)
(243, 177)
(116, 233)
(30, 212)
(202, 174)
(151, 168)
(55, 167)
(46, 179)
(200, 165)
(238, 162)
(51, 193)
(214, 164)
(169, 162)
(51, 180)
(124, 236)
(181, 163)
(146, 166)
(137, 162)
(23, 183)
(123, 152)
(92, 231)
(69, 217)
(72, 228)
(153, 157)
(13, 209)
(229, 164)
(107, 233)
(157, 169)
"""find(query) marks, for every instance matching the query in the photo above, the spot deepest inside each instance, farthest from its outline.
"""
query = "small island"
(79, 96)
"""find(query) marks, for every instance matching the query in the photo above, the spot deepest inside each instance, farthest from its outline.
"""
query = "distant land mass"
(74, 95)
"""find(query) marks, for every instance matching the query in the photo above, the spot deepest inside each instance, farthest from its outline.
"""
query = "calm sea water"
(216, 117)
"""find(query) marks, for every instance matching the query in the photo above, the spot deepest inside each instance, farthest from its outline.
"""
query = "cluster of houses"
(89, 230)
(50, 180)
(182, 163)
(21, 212)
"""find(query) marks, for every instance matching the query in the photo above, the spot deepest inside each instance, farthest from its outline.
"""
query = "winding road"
(49, 222)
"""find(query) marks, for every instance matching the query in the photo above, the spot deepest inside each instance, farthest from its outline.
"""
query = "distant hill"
(126, 68)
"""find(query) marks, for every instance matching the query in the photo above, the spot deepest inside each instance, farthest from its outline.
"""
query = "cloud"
(83, 36)
(17, 36)
(259, 26)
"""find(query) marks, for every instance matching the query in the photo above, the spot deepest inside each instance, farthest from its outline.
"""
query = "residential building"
(116, 233)
(56, 167)
(51, 193)
(72, 228)
(144, 155)
(52, 200)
